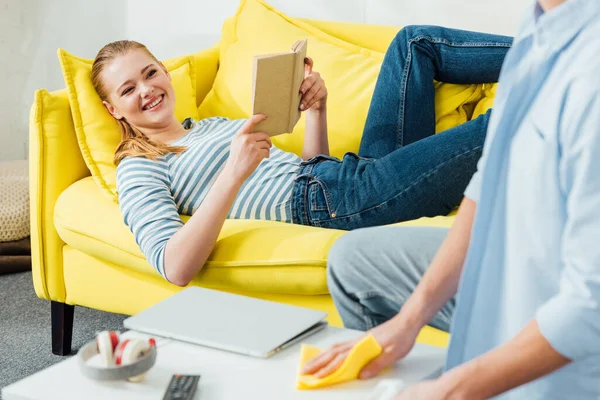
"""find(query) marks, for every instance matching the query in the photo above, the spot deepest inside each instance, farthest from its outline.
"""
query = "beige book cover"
(276, 89)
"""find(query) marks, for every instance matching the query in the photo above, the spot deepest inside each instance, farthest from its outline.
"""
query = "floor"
(25, 339)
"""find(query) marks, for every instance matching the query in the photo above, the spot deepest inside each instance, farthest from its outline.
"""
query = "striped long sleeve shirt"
(152, 194)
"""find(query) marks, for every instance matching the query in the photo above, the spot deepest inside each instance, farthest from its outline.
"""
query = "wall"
(195, 24)
(30, 33)
(170, 30)
(32, 30)
(502, 17)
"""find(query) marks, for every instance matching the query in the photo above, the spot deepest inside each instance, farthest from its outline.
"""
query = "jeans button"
(332, 215)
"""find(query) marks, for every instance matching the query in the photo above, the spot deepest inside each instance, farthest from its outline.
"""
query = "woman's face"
(139, 90)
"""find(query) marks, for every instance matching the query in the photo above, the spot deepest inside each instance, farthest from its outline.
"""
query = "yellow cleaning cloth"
(359, 356)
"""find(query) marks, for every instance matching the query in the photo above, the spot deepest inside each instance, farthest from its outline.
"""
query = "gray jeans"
(372, 272)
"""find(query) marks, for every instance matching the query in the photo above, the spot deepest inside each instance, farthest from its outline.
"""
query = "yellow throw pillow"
(489, 94)
(97, 131)
(350, 73)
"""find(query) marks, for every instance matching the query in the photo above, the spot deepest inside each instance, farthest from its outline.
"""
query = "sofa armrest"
(207, 65)
(55, 162)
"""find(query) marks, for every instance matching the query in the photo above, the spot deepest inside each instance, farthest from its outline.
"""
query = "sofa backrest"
(207, 65)
(373, 37)
(369, 36)
(348, 56)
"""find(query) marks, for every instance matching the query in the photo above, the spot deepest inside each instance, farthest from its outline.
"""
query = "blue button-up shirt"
(535, 245)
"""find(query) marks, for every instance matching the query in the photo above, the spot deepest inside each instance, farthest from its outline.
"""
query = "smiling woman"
(136, 89)
(216, 168)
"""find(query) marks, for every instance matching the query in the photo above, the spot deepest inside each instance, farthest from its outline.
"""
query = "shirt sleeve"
(148, 207)
(473, 190)
(570, 321)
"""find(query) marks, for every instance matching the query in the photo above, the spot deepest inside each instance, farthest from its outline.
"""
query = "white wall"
(493, 16)
(189, 25)
(182, 27)
(32, 30)
(30, 33)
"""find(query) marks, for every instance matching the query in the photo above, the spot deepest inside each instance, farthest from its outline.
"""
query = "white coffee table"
(224, 375)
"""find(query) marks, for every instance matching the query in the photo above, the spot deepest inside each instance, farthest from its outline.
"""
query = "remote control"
(181, 387)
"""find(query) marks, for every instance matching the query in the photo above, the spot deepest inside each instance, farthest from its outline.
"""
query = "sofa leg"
(62, 327)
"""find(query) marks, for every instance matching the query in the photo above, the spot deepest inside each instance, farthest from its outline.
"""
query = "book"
(276, 89)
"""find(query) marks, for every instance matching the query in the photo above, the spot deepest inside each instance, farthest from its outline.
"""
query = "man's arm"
(440, 282)
(438, 285)
(526, 357)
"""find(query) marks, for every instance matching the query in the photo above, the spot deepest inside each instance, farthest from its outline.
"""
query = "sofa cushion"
(350, 72)
(260, 256)
(97, 131)
(250, 255)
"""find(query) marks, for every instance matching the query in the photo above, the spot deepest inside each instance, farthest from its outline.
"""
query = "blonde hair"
(133, 142)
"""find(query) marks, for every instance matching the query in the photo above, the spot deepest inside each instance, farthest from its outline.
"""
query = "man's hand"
(395, 340)
(314, 92)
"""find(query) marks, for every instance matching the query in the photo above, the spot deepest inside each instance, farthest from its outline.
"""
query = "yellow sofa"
(83, 254)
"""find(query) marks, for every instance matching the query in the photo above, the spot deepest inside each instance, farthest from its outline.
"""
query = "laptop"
(230, 322)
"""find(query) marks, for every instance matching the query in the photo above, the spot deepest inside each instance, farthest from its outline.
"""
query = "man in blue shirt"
(524, 246)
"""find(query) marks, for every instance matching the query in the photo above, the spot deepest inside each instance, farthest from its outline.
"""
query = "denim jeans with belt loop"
(403, 170)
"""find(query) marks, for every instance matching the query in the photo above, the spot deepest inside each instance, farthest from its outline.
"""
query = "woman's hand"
(314, 92)
(395, 340)
(248, 149)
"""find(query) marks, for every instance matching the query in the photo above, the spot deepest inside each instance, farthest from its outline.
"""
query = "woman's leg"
(402, 109)
(424, 178)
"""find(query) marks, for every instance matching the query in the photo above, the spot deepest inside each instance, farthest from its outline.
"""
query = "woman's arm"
(187, 250)
(314, 102)
(315, 135)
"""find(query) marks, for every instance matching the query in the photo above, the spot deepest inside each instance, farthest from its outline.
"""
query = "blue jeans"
(404, 171)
